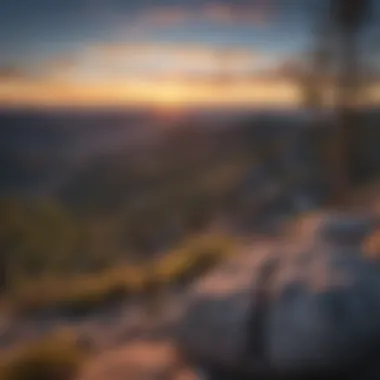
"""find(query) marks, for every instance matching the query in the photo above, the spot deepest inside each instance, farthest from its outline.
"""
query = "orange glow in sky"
(167, 75)
(165, 93)
(159, 75)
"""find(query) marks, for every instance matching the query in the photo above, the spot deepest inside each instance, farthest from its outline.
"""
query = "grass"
(81, 294)
(56, 357)
(76, 294)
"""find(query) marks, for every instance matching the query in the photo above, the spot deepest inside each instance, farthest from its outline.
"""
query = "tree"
(349, 18)
(315, 84)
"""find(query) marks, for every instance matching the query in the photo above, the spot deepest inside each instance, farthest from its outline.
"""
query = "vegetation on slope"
(56, 357)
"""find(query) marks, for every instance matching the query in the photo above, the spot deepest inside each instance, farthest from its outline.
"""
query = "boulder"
(325, 313)
(312, 310)
(334, 229)
(341, 230)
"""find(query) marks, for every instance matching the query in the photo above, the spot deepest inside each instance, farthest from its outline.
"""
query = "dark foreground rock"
(309, 310)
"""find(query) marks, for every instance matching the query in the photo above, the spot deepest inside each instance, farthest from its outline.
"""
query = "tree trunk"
(3, 271)
(346, 157)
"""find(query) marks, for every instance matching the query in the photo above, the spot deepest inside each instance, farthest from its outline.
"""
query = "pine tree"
(349, 18)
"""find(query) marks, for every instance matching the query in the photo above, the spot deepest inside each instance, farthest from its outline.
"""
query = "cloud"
(12, 73)
(166, 16)
(59, 67)
(147, 19)
(46, 69)
(163, 58)
(222, 13)
(171, 16)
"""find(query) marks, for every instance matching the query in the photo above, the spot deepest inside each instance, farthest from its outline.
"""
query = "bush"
(79, 294)
(53, 358)
(82, 294)
(192, 259)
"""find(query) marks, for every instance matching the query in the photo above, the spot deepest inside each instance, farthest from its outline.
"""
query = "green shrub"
(82, 294)
(192, 259)
(78, 294)
(53, 358)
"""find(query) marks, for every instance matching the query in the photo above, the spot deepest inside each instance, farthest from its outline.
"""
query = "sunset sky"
(132, 52)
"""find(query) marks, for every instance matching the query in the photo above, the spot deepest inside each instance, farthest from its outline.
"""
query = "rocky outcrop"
(302, 307)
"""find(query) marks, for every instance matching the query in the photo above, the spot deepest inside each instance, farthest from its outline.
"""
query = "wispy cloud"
(215, 12)
(12, 73)
(253, 14)
(141, 21)
(60, 67)
(179, 58)
(165, 16)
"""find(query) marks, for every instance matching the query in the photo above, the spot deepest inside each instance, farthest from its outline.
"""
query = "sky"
(165, 53)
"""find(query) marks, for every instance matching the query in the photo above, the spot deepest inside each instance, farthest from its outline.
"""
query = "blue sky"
(33, 30)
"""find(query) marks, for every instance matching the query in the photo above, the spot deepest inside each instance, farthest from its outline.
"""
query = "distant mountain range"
(42, 152)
